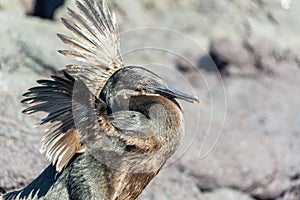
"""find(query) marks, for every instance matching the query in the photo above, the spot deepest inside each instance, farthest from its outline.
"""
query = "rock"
(237, 57)
(31, 43)
(257, 152)
(225, 194)
(232, 57)
(266, 61)
(28, 53)
(29, 6)
(293, 194)
(171, 184)
(12, 7)
(297, 59)
(233, 163)
(20, 159)
(46, 9)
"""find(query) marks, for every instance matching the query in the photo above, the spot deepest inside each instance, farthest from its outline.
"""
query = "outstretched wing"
(78, 120)
(70, 99)
(95, 42)
(72, 111)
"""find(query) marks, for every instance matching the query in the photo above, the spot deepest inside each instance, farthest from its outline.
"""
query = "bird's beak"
(174, 93)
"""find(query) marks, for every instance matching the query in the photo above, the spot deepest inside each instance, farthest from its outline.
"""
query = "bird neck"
(165, 117)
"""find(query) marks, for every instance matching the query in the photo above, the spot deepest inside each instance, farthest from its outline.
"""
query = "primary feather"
(70, 99)
(95, 42)
(67, 101)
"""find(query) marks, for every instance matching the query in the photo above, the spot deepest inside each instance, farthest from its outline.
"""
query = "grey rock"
(30, 43)
(28, 52)
(257, 153)
(171, 184)
(12, 7)
(225, 194)
(20, 159)
(232, 57)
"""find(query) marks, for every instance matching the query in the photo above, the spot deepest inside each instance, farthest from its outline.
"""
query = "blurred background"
(241, 58)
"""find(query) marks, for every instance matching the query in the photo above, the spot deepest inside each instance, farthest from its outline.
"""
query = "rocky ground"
(242, 143)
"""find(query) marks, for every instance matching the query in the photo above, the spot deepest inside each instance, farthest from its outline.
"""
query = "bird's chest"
(128, 186)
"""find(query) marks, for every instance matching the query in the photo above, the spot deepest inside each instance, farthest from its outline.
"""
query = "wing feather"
(95, 42)
(75, 114)
(68, 102)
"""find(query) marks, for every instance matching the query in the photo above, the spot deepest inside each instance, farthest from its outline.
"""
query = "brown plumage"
(111, 127)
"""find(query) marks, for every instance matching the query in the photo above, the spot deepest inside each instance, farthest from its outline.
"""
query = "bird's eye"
(143, 90)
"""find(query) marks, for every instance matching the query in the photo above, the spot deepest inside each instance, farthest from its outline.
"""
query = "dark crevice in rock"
(206, 62)
(46, 9)
(258, 198)
(2, 191)
(295, 177)
(207, 184)
(220, 63)
(232, 56)
(204, 190)
(292, 193)
(239, 57)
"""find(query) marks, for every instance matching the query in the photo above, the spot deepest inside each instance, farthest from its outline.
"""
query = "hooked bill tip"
(196, 101)
(192, 99)
(172, 92)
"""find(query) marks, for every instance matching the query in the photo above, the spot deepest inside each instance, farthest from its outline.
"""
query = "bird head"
(135, 81)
